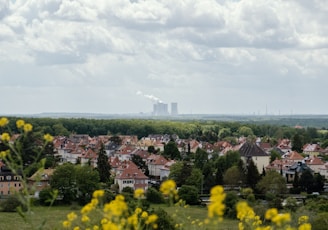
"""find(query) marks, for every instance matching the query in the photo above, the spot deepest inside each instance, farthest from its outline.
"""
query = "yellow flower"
(116, 207)
(71, 216)
(66, 224)
(98, 193)
(271, 213)
(151, 219)
(216, 207)
(87, 208)
(144, 214)
(20, 123)
(305, 226)
(5, 137)
(281, 219)
(76, 228)
(95, 227)
(27, 128)
(3, 121)
(48, 138)
(3, 154)
(139, 193)
(85, 218)
(137, 211)
(303, 219)
(168, 187)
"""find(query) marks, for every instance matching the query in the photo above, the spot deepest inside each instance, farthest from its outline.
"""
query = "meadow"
(53, 217)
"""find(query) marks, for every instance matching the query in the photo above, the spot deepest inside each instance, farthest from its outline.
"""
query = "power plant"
(161, 109)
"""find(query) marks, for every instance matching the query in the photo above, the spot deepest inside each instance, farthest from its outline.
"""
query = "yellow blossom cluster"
(139, 193)
(3, 154)
(246, 215)
(169, 189)
(216, 206)
(113, 215)
(3, 121)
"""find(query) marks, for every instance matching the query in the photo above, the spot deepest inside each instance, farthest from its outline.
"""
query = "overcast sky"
(120, 56)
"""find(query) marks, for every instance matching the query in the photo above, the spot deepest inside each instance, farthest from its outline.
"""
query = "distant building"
(9, 182)
(160, 109)
(174, 109)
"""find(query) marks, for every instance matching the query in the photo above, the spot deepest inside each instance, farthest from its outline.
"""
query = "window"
(8, 177)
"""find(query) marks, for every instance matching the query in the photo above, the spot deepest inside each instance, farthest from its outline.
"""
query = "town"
(283, 172)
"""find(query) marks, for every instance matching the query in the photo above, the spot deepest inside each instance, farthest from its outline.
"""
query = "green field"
(55, 215)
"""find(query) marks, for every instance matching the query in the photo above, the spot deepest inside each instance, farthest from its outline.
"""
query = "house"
(155, 163)
(40, 180)
(284, 145)
(297, 167)
(89, 157)
(251, 151)
(130, 176)
(144, 154)
(315, 163)
(125, 152)
(312, 150)
(323, 170)
(165, 170)
(293, 156)
(9, 182)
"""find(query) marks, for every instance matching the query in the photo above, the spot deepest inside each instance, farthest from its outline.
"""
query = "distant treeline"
(199, 129)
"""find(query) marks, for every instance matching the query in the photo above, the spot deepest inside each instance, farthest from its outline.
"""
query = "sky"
(122, 56)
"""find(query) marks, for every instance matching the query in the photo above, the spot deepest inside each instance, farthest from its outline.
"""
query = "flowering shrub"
(116, 215)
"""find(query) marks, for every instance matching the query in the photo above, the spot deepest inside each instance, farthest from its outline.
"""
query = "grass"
(55, 215)
(191, 216)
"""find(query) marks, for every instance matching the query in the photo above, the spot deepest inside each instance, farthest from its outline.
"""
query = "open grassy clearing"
(55, 215)
(192, 216)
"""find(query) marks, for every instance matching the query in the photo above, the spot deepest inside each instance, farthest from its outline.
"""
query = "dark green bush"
(45, 197)
(11, 204)
(154, 196)
(164, 221)
(189, 194)
(320, 221)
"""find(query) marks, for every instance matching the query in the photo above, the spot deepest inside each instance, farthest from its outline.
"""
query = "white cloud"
(207, 55)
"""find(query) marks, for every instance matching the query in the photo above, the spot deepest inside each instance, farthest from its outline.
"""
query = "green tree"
(272, 183)
(154, 196)
(103, 166)
(195, 178)
(232, 176)
(201, 157)
(319, 182)
(245, 131)
(171, 151)
(252, 175)
(274, 154)
(151, 149)
(87, 181)
(60, 130)
(189, 193)
(176, 171)
(140, 163)
(208, 177)
(297, 143)
(64, 180)
(306, 181)
(231, 158)
(224, 132)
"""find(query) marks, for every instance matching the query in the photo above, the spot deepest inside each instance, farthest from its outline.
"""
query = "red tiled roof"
(314, 161)
(156, 160)
(131, 171)
(295, 156)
